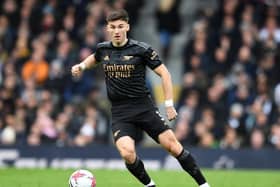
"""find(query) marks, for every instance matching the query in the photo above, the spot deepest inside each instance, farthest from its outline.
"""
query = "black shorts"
(130, 122)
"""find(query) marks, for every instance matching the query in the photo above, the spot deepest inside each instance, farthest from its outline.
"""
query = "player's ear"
(128, 27)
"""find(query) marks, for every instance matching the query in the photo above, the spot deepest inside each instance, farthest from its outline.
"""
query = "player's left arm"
(162, 71)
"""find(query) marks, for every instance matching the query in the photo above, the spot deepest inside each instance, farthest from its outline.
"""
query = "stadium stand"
(228, 84)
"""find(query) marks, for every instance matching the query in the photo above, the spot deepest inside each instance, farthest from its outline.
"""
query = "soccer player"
(124, 62)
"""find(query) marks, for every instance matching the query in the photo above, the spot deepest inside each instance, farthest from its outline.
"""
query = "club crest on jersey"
(106, 58)
(127, 57)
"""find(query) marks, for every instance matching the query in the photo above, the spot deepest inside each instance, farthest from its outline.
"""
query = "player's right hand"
(76, 70)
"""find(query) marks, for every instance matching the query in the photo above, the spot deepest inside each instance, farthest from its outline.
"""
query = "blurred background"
(223, 56)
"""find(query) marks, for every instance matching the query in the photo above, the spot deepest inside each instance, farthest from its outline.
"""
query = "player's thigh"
(153, 124)
(126, 148)
(125, 145)
(168, 140)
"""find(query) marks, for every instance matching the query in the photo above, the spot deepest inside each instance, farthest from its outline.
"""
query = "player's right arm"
(78, 69)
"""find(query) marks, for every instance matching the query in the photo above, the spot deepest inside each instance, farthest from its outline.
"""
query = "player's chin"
(173, 118)
(117, 41)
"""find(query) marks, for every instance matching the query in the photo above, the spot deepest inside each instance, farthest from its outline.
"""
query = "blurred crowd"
(230, 95)
(231, 91)
(40, 102)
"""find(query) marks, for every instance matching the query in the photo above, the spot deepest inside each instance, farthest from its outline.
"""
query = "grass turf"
(121, 178)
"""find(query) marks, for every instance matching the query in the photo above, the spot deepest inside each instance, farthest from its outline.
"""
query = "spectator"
(257, 139)
(275, 136)
(36, 68)
(169, 23)
(61, 123)
(8, 134)
(44, 126)
(230, 139)
(87, 132)
(207, 141)
(270, 30)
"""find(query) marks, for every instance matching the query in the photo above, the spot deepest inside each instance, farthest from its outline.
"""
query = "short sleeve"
(97, 54)
(151, 58)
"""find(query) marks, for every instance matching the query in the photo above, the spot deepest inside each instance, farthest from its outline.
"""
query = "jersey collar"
(121, 47)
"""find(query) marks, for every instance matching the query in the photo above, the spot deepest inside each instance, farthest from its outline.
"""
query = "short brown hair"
(120, 14)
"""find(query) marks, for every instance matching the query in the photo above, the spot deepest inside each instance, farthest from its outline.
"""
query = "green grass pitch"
(121, 178)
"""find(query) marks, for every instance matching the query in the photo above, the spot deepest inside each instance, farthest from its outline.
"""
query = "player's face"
(118, 31)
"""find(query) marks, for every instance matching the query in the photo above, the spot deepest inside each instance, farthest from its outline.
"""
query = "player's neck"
(120, 44)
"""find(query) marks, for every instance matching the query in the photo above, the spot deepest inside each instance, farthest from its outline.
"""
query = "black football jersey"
(125, 68)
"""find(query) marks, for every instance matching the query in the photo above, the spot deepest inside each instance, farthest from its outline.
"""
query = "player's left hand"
(171, 113)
